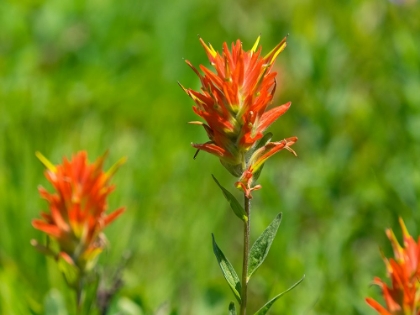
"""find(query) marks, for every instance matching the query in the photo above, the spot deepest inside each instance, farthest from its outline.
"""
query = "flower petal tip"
(45, 161)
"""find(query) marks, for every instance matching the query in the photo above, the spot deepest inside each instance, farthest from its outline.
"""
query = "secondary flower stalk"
(402, 297)
(77, 214)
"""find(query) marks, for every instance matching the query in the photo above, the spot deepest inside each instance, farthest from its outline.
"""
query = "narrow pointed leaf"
(228, 271)
(258, 172)
(234, 204)
(69, 270)
(262, 245)
(263, 310)
(264, 140)
(232, 309)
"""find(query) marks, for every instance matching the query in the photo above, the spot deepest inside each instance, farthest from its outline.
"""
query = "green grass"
(102, 75)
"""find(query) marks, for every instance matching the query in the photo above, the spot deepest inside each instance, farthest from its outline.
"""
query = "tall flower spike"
(402, 297)
(76, 216)
(234, 100)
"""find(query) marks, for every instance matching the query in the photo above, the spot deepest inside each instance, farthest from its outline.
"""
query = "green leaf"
(262, 245)
(235, 170)
(69, 270)
(258, 172)
(228, 271)
(232, 310)
(234, 204)
(54, 303)
(263, 310)
(264, 140)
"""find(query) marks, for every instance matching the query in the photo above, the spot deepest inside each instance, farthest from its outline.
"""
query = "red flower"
(77, 207)
(403, 296)
(234, 100)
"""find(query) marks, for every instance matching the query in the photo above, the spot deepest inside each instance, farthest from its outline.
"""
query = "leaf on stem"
(234, 204)
(263, 310)
(69, 270)
(228, 271)
(262, 245)
(232, 309)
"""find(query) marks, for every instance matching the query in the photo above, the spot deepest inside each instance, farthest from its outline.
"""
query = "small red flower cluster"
(233, 101)
(77, 207)
(403, 296)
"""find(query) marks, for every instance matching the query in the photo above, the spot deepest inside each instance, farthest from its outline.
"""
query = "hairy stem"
(244, 293)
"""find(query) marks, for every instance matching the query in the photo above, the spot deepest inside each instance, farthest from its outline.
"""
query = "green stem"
(244, 293)
(79, 296)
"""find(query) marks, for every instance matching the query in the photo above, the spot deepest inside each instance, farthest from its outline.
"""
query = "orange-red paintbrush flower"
(402, 297)
(76, 216)
(234, 100)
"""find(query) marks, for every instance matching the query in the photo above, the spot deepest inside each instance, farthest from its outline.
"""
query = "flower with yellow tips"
(234, 103)
(402, 297)
(76, 216)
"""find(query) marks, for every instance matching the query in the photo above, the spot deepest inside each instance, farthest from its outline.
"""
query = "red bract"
(76, 216)
(234, 101)
(258, 159)
(402, 297)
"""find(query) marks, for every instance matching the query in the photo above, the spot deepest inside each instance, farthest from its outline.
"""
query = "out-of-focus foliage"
(101, 74)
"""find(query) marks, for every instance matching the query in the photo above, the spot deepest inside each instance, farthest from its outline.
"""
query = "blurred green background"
(102, 75)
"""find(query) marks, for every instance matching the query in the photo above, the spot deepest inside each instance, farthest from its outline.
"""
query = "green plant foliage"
(70, 272)
(263, 310)
(55, 303)
(228, 271)
(234, 204)
(261, 247)
(101, 75)
(232, 309)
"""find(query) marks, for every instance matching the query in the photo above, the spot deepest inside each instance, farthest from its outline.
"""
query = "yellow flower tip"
(184, 89)
(210, 50)
(45, 161)
(391, 236)
(196, 123)
(254, 48)
(272, 55)
(394, 243)
(403, 228)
